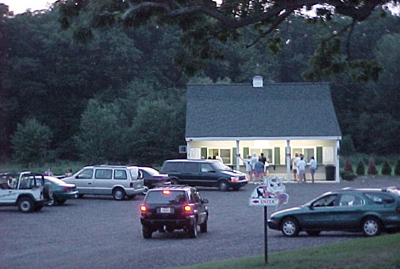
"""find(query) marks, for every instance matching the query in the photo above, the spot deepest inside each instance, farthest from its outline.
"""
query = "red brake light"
(166, 192)
(143, 208)
(234, 179)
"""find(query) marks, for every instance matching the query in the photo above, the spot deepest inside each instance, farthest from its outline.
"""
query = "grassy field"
(378, 252)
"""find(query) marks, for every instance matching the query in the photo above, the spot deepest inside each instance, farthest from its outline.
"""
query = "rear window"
(190, 167)
(380, 198)
(171, 167)
(166, 197)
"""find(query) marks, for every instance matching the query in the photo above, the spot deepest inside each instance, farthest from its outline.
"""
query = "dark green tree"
(386, 168)
(360, 168)
(30, 142)
(205, 25)
(101, 137)
(348, 166)
(397, 168)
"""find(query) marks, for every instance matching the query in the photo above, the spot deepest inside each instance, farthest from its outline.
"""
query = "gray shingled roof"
(277, 110)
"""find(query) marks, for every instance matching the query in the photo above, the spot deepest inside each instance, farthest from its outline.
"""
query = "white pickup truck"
(28, 191)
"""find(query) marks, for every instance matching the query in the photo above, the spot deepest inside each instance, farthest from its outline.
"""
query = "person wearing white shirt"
(313, 167)
(301, 170)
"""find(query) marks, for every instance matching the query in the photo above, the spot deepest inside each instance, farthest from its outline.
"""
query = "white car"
(27, 191)
(117, 180)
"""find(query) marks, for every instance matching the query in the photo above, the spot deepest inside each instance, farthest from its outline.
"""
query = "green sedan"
(370, 211)
(61, 190)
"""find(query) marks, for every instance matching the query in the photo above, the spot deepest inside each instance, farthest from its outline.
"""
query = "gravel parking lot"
(99, 232)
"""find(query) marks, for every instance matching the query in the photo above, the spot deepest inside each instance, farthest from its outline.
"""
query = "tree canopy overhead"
(207, 25)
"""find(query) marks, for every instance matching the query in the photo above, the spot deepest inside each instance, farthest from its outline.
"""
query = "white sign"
(273, 193)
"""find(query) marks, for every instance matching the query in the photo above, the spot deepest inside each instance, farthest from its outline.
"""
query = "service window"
(103, 174)
(85, 174)
(120, 174)
(190, 167)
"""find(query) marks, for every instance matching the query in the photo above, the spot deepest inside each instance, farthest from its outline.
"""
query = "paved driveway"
(98, 232)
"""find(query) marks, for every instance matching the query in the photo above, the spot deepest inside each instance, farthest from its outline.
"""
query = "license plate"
(165, 210)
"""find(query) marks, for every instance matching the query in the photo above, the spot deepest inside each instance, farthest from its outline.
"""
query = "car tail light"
(166, 192)
(188, 209)
(234, 179)
(65, 189)
(143, 209)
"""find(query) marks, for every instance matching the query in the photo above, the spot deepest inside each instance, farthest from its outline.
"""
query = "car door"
(199, 207)
(191, 174)
(319, 213)
(349, 212)
(103, 181)
(83, 181)
(209, 175)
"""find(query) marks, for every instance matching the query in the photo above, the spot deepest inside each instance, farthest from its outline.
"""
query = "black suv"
(172, 208)
(208, 173)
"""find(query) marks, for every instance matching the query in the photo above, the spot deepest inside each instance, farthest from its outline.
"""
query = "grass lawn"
(378, 252)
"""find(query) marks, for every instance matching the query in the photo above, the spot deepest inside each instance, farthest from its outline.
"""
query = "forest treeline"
(121, 97)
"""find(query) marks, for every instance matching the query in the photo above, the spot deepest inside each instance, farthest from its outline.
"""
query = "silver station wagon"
(118, 180)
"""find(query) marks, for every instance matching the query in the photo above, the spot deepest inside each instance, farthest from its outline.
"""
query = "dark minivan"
(208, 173)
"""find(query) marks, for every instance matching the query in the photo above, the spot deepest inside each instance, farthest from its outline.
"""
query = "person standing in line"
(217, 157)
(263, 159)
(305, 160)
(267, 167)
(301, 170)
(295, 160)
(313, 167)
(249, 169)
(253, 161)
(259, 171)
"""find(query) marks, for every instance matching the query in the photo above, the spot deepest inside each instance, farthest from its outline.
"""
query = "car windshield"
(165, 197)
(221, 166)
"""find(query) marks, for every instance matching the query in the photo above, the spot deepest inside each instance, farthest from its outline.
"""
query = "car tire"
(147, 232)
(290, 227)
(80, 195)
(223, 185)
(313, 233)
(48, 192)
(203, 227)
(25, 205)
(192, 231)
(118, 194)
(371, 226)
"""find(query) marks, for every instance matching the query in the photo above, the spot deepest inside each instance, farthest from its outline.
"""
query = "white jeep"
(28, 191)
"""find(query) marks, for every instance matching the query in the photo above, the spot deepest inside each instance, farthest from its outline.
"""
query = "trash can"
(330, 172)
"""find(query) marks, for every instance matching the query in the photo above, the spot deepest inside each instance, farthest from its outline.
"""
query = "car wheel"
(48, 191)
(147, 232)
(80, 195)
(25, 205)
(203, 227)
(174, 182)
(290, 227)
(223, 185)
(192, 231)
(314, 233)
(371, 226)
(119, 194)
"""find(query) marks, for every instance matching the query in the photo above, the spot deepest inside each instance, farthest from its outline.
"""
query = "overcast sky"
(20, 6)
